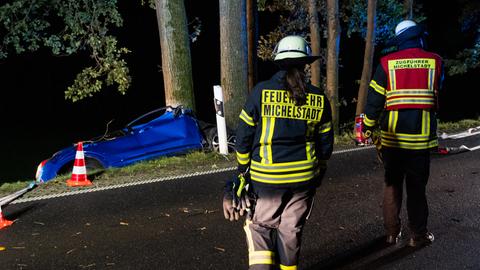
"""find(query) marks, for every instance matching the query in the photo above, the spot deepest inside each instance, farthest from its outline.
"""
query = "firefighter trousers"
(275, 230)
(413, 168)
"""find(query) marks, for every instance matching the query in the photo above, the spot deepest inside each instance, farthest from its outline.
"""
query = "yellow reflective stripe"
(285, 164)
(283, 167)
(325, 127)
(268, 253)
(261, 257)
(405, 137)
(369, 122)
(248, 233)
(410, 96)
(263, 153)
(261, 261)
(425, 122)
(411, 101)
(271, 128)
(247, 118)
(431, 78)
(310, 150)
(392, 121)
(392, 79)
(285, 267)
(377, 87)
(309, 145)
(409, 92)
(283, 178)
(243, 158)
(410, 145)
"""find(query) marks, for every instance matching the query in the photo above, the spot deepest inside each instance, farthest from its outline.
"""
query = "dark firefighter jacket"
(402, 98)
(284, 144)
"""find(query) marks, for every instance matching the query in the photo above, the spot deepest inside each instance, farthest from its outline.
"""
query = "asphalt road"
(179, 224)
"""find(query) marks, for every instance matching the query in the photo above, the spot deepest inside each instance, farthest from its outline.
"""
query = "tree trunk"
(176, 58)
(368, 57)
(233, 58)
(408, 9)
(252, 20)
(315, 67)
(333, 48)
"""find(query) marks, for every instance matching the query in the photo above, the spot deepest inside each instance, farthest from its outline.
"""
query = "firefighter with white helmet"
(402, 100)
(283, 142)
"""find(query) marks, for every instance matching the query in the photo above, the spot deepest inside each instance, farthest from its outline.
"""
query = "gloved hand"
(367, 133)
(236, 199)
(241, 198)
(229, 210)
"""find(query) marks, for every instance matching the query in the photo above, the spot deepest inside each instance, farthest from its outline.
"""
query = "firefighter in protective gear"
(284, 138)
(402, 100)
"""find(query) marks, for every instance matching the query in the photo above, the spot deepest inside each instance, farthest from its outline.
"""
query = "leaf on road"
(87, 266)
(2, 248)
(219, 249)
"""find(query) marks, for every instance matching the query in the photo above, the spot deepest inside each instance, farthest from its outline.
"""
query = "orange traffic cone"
(79, 172)
(4, 222)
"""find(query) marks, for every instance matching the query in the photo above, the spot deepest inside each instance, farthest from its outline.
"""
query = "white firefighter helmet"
(293, 50)
(404, 25)
(292, 47)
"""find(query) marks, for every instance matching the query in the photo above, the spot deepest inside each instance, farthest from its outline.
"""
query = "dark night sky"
(37, 120)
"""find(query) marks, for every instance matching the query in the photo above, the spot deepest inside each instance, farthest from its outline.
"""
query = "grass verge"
(178, 165)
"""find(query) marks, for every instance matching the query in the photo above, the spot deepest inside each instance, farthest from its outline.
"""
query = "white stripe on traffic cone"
(79, 172)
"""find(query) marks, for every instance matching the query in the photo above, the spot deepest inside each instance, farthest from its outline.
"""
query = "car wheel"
(91, 165)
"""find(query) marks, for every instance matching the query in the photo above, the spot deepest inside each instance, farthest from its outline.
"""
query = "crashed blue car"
(165, 131)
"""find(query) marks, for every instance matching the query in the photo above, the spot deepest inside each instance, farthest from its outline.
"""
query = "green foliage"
(24, 22)
(8, 188)
(109, 68)
(293, 21)
(464, 61)
(294, 15)
(461, 125)
(67, 27)
(468, 58)
(389, 13)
